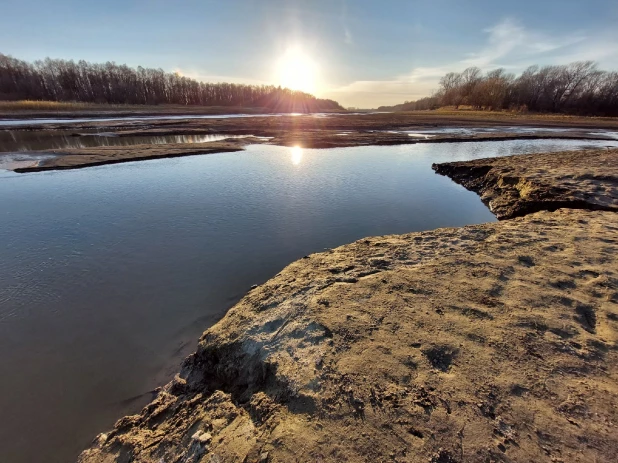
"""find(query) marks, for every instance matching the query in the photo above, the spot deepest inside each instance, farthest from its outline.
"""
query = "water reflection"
(297, 155)
(22, 140)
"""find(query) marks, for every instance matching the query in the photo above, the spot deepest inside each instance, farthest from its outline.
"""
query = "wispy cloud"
(509, 44)
(347, 35)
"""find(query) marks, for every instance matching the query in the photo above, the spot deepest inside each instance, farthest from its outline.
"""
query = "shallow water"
(109, 274)
(515, 130)
(78, 120)
(14, 141)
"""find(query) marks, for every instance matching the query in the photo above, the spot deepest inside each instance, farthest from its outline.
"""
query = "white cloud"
(509, 45)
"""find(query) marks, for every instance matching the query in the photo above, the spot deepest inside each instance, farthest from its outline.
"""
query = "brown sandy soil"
(25, 110)
(492, 342)
(331, 139)
(517, 185)
(315, 131)
(260, 125)
(88, 157)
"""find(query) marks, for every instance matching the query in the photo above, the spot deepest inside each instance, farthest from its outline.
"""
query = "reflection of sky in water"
(512, 129)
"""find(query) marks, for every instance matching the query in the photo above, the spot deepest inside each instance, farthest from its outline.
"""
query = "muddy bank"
(326, 139)
(73, 158)
(89, 157)
(339, 121)
(103, 111)
(489, 342)
(311, 131)
(518, 185)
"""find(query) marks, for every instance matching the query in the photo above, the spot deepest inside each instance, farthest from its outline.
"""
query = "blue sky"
(367, 53)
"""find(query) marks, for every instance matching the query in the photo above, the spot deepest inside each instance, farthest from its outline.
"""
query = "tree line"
(62, 80)
(576, 88)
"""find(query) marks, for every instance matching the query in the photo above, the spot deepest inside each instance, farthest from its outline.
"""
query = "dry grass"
(25, 105)
(505, 114)
(60, 106)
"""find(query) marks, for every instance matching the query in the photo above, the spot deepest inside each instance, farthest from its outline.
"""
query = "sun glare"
(297, 71)
(297, 155)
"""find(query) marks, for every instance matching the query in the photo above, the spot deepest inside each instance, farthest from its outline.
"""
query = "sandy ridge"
(514, 186)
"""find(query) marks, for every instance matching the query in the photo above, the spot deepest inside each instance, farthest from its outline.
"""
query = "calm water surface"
(109, 274)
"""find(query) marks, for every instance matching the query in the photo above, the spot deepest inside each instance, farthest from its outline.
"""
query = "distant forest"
(61, 80)
(576, 88)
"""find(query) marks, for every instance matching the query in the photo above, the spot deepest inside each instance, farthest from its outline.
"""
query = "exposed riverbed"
(110, 273)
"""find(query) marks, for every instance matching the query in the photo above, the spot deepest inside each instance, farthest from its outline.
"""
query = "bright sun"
(297, 71)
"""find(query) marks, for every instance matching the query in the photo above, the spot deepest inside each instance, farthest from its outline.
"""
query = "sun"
(297, 71)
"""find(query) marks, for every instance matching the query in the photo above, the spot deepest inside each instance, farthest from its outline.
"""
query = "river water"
(109, 274)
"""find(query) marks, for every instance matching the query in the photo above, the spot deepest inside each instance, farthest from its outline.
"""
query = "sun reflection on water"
(297, 155)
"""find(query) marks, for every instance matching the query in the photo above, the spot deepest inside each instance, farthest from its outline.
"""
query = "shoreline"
(76, 158)
(492, 341)
(90, 157)
(104, 111)
(306, 131)
(507, 185)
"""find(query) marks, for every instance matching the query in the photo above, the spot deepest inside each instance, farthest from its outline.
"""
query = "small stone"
(202, 437)
(205, 438)
(264, 457)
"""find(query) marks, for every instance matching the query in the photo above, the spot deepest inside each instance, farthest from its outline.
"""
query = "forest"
(61, 80)
(576, 88)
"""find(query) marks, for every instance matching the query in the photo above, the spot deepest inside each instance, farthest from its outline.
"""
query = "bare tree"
(61, 80)
(577, 88)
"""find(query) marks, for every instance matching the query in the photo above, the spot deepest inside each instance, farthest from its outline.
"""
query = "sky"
(362, 53)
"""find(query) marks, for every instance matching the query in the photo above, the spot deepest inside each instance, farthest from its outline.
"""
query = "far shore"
(306, 131)
(28, 110)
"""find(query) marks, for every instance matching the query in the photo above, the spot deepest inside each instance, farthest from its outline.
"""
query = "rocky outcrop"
(493, 342)
(514, 186)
